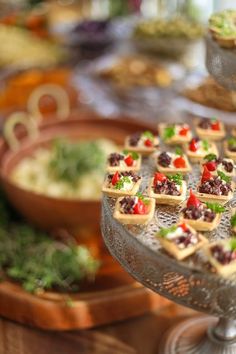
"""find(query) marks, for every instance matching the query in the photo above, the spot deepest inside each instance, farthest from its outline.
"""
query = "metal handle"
(55, 91)
(19, 118)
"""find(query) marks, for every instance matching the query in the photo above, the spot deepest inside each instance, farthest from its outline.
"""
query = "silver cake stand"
(189, 283)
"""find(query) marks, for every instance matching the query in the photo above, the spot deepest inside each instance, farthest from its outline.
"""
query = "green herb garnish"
(215, 207)
(205, 145)
(165, 231)
(210, 157)
(233, 220)
(179, 151)
(133, 154)
(147, 134)
(224, 177)
(143, 198)
(233, 244)
(232, 142)
(169, 132)
(120, 184)
(177, 178)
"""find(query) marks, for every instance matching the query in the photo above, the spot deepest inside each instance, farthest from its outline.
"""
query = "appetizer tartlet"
(215, 189)
(181, 240)
(215, 164)
(197, 149)
(134, 209)
(171, 163)
(230, 148)
(167, 189)
(124, 161)
(210, 129)
(201, 216)
(222, 256)
(121, 183)
(144, 143)
(233, 220)
(175, 133)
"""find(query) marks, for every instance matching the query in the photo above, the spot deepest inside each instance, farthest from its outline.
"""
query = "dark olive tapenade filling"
(228, 166)
(164, 159)
(205, 124)
(134, 177)
(166, 187)
(222, 255)
(115, 158)
(215, 186)
(127, 205)
(188, 239)
(134, 139)
(195, 213)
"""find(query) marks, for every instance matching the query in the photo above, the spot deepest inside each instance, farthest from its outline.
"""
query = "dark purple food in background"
(166, 187)
(135, 177)
(186, 240)
(228, 166)
(115, 158)
(215, 186)
(134, 139)
(205, 124)
(127, 204)
(223, 256)
(193, 213)
(164, 159)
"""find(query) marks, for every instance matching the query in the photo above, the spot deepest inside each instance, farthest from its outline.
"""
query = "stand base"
(195, 336)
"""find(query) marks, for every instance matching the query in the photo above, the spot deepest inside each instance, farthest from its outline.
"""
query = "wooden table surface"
(140, 335)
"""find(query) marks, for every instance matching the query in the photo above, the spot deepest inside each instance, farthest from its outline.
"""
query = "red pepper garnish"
(140, 208)
(206, 175)
(215, 125)
(193, 146)
(211, 165)
(184, 131)
(129, 160)
(184, 227)
(148, 143)
(193, 200)
(179, 162)
(115, 178)
(159, 177)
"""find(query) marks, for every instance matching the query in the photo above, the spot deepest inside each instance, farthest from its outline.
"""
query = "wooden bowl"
(50, 213)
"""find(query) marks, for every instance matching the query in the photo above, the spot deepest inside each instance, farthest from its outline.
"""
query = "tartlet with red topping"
(124, 161)
(175, 133)
(215, 164)
(222, 256)
(215, 189)
(230, 148)
(121, 183)
(201, 216)
(165, 189)
(181, 240)
(144, 143)
(172, 162)
(134, 209)
(197, 149)
(210, 129)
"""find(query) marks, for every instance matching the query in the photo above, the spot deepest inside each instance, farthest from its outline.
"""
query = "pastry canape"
(215, 189)
(230, 148)
(210, 129)
(201, 216)
(144, 143)
(134, 209)
(124, 161)
(215, 164)
(171, 163)
(222, 256)
(233, 220)
(167, 189)
(121, 183)
(175, 133)
(197, 149)
(181, 240)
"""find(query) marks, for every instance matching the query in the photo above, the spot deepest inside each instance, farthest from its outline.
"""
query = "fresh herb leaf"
(215, 207)
(169, 132)
(165, 231)
(224, 177)
(205, 145)
(147, 134)
(233, 220)
(143, 198)
(177, 178)
(133, 154)
(233, 244)
(210, 157)
(120, 184)
(232, 142)
(179, 151)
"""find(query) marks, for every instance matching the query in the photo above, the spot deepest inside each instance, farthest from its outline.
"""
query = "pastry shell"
(174, 170)
(112, 192)
(199, 157)
(209, 134)
(221, 269)
(221, 199)
(134, 219)
(176, 139)
(165, 198)
(228, 153)
(178, 253)
(134, 168)
(143, 150)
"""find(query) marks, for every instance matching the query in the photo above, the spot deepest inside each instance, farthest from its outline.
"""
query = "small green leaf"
(210, 157)
(120, 184)
(224, 177)
(177, 178)
(233, 220)
(165, 231)
(232, 142)
(143, 198)
(233, 244)
(205, 145)
(179, 151)
(133, 154)
(215, 207)
(169, 132)
(147, 134)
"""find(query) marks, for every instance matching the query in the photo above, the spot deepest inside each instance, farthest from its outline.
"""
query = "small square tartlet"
(178, 253)
(212, 198)
(222, 269)
(176, 138)
(228, 152)
(134, 219)
(208, 133)
(219, 167)
(171, 169)
(122, 167)
(142, 147)
(197, 156)
(112, 191)
(166, 198)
